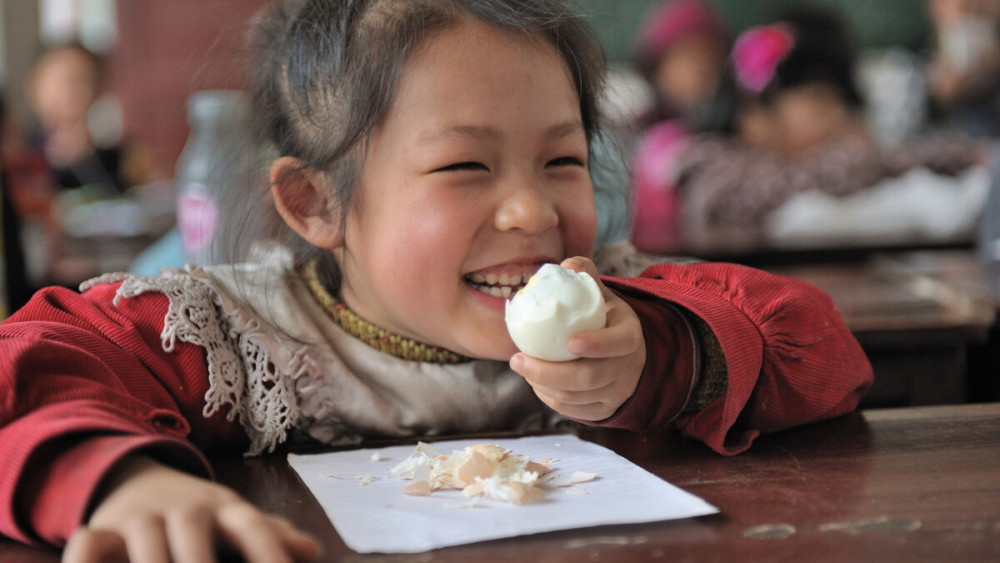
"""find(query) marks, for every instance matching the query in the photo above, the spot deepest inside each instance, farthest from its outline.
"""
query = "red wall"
(165, 51)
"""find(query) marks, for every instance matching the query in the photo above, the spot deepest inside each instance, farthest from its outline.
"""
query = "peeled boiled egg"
(555, 304)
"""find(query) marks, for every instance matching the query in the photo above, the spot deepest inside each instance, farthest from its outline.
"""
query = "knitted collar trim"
(371, 334)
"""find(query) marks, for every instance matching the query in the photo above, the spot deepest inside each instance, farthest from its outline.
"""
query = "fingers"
(303, 546)
(95, 546)
(263, 538)
(146, 540)
(578, 405)
(622, 334)
(573, 377)
(582, 389)
(610, 365)
(143, 540)
(583, 264)
(247, 530)
(191, 537)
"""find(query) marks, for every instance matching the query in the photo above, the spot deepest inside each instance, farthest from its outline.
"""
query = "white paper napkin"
(371, 513)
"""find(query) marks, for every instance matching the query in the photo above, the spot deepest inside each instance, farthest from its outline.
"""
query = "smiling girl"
(426, 157)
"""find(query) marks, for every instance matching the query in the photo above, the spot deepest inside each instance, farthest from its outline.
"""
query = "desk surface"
(939, 293)
(898, 484)
(917, 315)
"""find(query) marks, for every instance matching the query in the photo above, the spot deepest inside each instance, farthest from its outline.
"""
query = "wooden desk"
(916, 314)
(909, 484)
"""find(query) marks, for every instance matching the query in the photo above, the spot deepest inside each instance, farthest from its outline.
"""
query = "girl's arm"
(787, 356)
(89, 399)
(84, 384)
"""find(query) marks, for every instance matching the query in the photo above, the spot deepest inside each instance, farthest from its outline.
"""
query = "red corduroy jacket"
(84, 382)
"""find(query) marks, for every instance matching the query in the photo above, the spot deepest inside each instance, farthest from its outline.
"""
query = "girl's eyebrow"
(565, 129)
(485, 132)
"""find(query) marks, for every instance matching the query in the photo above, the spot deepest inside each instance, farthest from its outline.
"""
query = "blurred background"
(848, 143)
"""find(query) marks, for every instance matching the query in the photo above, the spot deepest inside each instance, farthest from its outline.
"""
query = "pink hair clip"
(757, 53)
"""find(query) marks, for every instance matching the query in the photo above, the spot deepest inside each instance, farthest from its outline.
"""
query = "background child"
(65, 84)
(681, 51)
(793, 124)
(964, 72)
(424, 158)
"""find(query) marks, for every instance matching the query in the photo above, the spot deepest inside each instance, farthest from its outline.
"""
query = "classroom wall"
(875, 23)
(168, 49)
(165, 51)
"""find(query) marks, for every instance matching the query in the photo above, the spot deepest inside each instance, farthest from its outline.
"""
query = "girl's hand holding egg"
(567, 314)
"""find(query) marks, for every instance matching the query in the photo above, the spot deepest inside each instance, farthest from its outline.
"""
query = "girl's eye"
(566, 161)
(463, 167)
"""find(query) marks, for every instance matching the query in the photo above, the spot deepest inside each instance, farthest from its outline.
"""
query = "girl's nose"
(527, 207)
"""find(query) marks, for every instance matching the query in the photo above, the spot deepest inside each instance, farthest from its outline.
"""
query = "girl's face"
(476, 176)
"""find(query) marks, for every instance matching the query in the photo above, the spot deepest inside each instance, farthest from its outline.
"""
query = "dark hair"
(322, 74)
(824, 53)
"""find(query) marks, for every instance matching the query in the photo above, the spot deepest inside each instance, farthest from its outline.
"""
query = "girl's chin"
(494, 343)
(499, 348)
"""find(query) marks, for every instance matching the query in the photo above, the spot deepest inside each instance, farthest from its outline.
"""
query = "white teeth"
(498, 285)
(496, 291)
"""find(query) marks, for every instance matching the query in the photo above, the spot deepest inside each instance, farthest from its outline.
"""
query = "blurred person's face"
(945, 12)
(949, 12)
(798, 120)
(63, 87)
(689, 71)
(808, 116)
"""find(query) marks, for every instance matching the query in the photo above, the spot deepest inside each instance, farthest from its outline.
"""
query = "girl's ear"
(302, 200)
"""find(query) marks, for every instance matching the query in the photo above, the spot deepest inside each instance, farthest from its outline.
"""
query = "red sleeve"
(84, 383)
(789, 357)
(669, 373)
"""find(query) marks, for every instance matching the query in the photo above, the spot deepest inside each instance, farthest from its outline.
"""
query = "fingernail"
(572, 264)
(517, 362)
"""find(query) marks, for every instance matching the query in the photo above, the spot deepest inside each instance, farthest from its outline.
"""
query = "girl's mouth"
(501, 282)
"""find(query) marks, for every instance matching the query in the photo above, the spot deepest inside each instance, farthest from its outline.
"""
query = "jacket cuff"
(670, 373)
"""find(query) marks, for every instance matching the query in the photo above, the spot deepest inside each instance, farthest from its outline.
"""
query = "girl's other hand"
(153, 513)
(608, 370)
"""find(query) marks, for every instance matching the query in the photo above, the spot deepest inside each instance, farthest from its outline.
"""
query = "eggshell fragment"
(480, 470)
(483, 471)
(577, 477)
(417, 488)
(555, 304)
